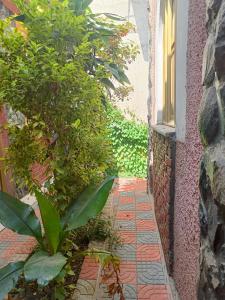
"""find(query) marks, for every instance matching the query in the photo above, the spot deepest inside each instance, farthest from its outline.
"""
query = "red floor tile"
(89, 269)
(128, 273)
(143, 206)
(145, 225)
(126, 200)
(128, 237)
(153, 292)
(125, 215)
(148, 253)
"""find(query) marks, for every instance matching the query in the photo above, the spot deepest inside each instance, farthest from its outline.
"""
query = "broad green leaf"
(19, 217)
(123, 76)
(43, 268)
(79, 6)
(20, 18)
(114, 17)
(117, 73)
(51, 221)
(88, 205)
(111, 16)
(108, 83)
(9, 276)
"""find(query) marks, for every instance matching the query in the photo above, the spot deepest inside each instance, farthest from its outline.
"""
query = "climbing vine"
(129, 140)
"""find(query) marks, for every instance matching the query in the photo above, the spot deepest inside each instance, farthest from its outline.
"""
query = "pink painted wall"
(188, 154)
(6, 182)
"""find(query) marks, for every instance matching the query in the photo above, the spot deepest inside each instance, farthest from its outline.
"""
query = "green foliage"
(45, 265)
(87, 205)
(9, 276)
(56, 73)
(19, 217)
(99, 229)
(129, 140)
(51, 221)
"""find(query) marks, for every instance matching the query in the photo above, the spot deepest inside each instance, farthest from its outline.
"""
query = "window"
(169, 63)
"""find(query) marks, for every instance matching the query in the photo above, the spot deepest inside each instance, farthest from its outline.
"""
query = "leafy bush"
(46, 263)
(101, 229)
(129, 140)
(56, 73)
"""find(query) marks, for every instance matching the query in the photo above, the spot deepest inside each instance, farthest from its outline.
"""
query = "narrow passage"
(143, 271)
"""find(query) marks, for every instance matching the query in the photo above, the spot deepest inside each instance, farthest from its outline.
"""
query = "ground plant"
(49, 261)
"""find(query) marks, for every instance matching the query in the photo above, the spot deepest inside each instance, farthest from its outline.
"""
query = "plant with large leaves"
(47, 262)
(98, 27)
(57, 77)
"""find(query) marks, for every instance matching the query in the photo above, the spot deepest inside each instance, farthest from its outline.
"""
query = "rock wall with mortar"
(163, 147)
(212, 173)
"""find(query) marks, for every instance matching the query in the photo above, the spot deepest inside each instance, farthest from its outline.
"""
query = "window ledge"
(164, 130)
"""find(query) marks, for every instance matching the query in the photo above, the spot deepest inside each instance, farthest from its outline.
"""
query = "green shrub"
(129, 140)
(57, 76)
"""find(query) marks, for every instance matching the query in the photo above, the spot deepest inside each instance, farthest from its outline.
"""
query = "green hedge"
(130, 141)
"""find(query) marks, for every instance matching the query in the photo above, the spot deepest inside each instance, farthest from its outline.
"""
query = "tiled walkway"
(14, 247)
(143, 272)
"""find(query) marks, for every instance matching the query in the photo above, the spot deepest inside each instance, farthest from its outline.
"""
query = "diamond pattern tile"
(128, 237)
(148, 252)
(142, 199)
(126, 194)
(130, 292)
(127, 252)
(146, 225)
(153, 292)
(147, 237)
(129, 206)
(85, 287)
(126, 225)
(151, 273)
(144, 215)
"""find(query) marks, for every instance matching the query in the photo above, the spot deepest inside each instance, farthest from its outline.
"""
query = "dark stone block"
(220, 43)
(203, 219)
(215, 167)
(208, 68)
(208, 120)
(213, 7)
(221, 92)
(212, 173)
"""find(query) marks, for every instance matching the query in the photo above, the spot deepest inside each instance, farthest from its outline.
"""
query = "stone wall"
(212, 175)
(163, 148)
